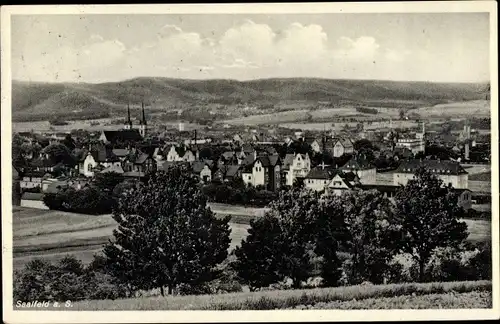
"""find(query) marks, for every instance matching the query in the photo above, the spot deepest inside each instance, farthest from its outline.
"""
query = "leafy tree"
(59, 154)
(69, 142)
(167, 235)
(363, 143)
(330, 231)
(107, 181)
(371, 237)
(258, 259)
(428, 215)
(34, 281)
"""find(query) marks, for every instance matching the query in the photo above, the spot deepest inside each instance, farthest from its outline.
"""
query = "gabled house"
(295, 166)
(318, 178)
(203, 170)
(97, 159)
(263, 171)
(315, 144)
(180, 154)
(366, 171)
(341, 182)
(337, 147)
(139, 161)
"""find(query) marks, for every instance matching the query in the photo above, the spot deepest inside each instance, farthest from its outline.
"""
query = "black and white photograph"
(302, 159)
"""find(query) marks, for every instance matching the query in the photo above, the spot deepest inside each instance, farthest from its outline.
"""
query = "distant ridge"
(38, 100)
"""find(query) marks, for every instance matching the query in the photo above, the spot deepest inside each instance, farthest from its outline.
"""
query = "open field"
(54, 234)
(468, 300)
(474, 108)
(475, 294)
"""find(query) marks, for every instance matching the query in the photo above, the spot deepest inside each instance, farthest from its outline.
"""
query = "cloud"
(362, 48)
(395, 55)
(246, 50)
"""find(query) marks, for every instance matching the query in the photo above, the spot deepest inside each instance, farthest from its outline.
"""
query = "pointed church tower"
(128, 122)
(143, 124)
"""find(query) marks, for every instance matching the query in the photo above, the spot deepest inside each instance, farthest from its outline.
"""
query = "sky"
(436, 47)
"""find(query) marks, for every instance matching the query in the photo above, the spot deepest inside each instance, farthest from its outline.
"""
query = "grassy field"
(470, 300)
(474, 108)
(54, 234)
(448, 294)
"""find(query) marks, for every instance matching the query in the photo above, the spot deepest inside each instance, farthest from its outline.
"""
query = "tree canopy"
(428, 214)
(167, 235)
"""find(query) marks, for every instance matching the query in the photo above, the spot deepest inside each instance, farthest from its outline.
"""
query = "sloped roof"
(198, 166)
(228, 155)
(123, 135)
(120, 152)
(288, 161)
(357, 163)
(310, 140)
(232, 170)
(434, 166)
(247, 148)
(32, 196)
(113, 168)
(321, 173)
(103, 154)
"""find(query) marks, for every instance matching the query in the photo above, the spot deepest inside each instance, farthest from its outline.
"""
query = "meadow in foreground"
(476, 294)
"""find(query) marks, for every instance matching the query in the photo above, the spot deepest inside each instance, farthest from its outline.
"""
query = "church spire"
(143, 123)
(143, 120)
(128, 121)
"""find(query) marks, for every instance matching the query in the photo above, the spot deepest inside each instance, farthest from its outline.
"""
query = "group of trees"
(168, 238)
(303, 228)
(100, 197)
(236, 192)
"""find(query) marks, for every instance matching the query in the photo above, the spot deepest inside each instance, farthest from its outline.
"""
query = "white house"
(180, 154)
(318, 178)
(451, 172)
(366, 172)
(99, 157)
(295, 166)
(342, 182)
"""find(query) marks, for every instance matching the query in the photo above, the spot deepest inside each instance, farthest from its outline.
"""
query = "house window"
(89, 167)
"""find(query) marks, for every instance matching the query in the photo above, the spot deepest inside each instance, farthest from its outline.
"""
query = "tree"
(370, 238)
(258, 259)
(363, 143)
(428, 215)
(107, 181)
(69, 142)
(402, 113)
(59, 154)
(166, 234)
(330, 231)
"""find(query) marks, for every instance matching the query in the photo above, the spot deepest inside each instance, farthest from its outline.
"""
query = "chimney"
(466, 152)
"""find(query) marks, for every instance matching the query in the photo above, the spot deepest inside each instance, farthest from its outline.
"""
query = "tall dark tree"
(428, 214)
(371, 238)
(69, 142)
(59, 153)
(167, 235)
(258, 261)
